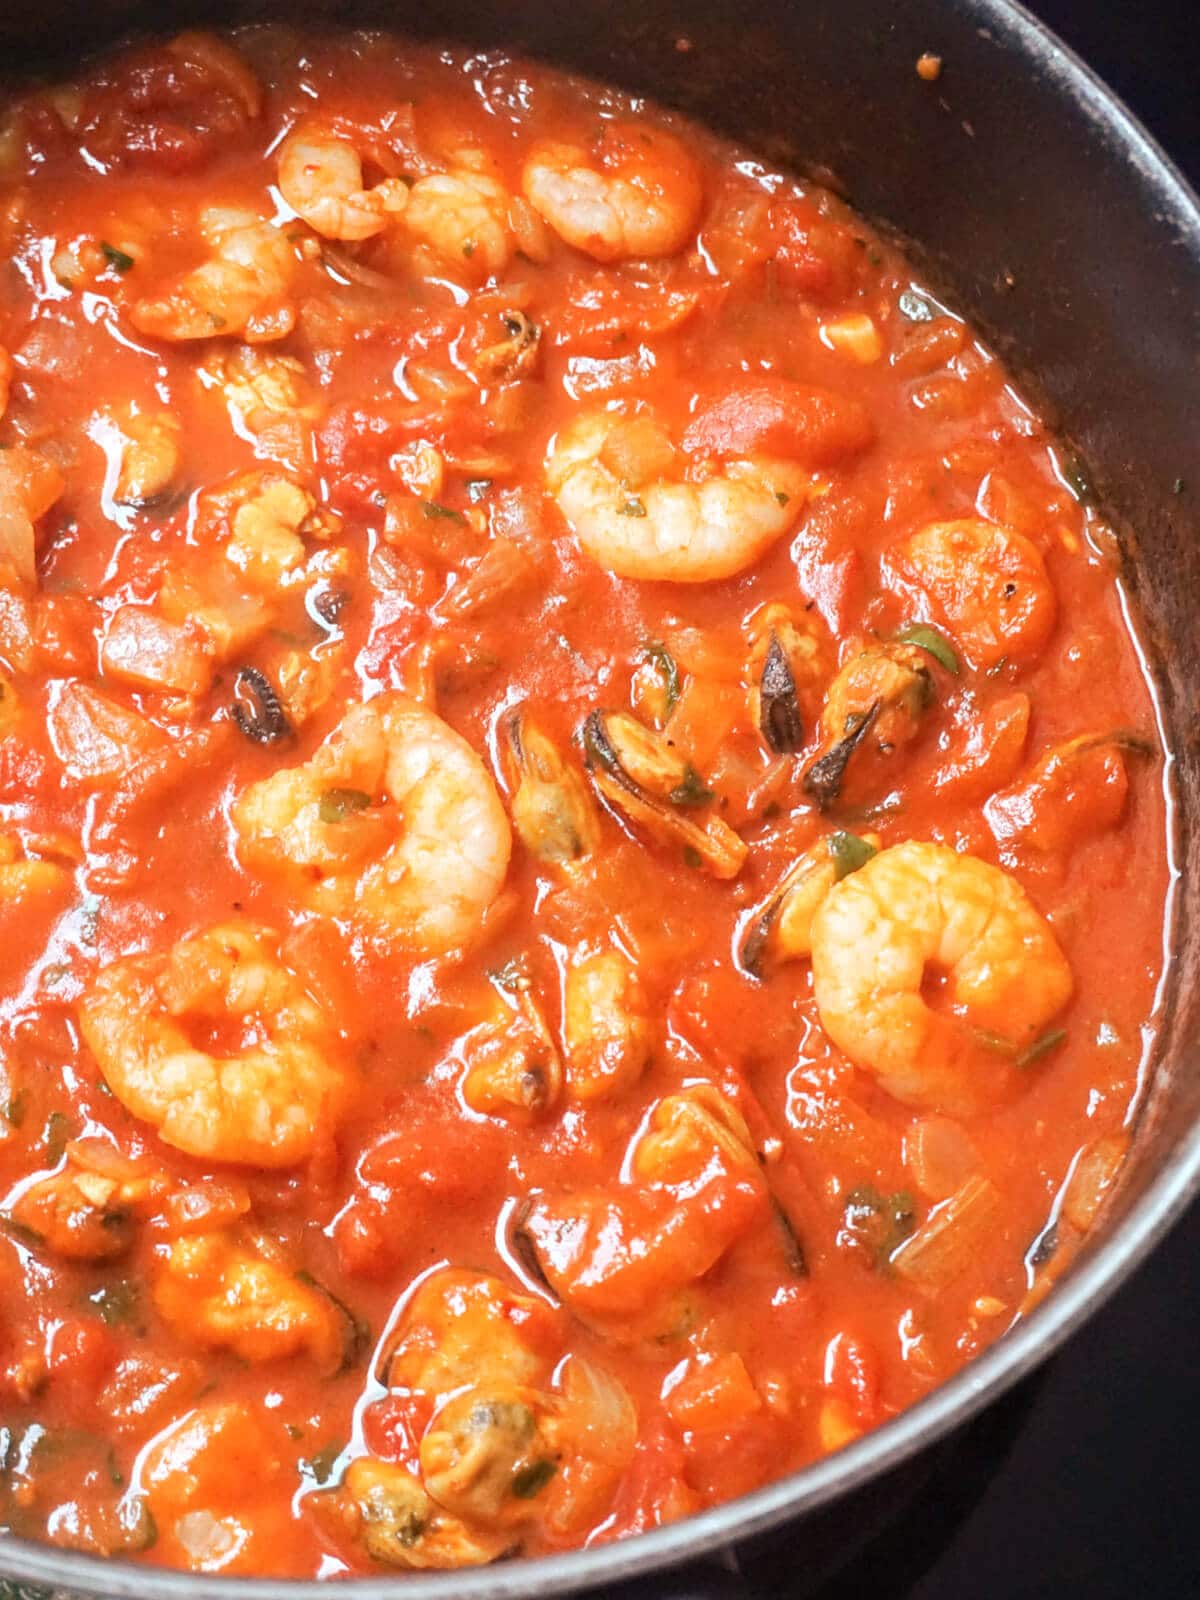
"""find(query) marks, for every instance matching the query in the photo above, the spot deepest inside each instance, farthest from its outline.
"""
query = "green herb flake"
(781, 497)
(294, 1433)
(54, 1136)
(663, 662)
(322, 1466)
(335, 805)
(876, 1223)
(19, 1233)
(932, 642)
(469, 249)
(692, 857)
(532, 1479)
(633, 507)
(116, 1303)
(849, 852)
(477, 488)
(117, 259)
(915, 307)
(1042, 1047)
(690, 791)
(447, 513)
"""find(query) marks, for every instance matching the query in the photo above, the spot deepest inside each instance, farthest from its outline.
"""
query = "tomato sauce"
(494, 580)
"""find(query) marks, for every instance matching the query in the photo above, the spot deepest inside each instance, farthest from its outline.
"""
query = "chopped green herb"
(469, 249)
(690, 791)
(321, 1466)
(781, 497)
(17, 1231)
(874, 257)
(849, 852)
(633, 507)
(55, 1135)
(793, 1249)
(692, 857)
(115, 258)
(447, 513)
(661, 659)
(293, 1432)
(15, 1108)
(532, 1479)
(1042, 1047)
(1076, 478)
(477, 488)
(115, 1475)
(915, 307)
(335, 805)
(116, 1302)
(876, 1223)
(932, 642)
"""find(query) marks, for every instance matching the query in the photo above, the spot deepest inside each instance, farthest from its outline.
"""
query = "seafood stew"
(583, 822)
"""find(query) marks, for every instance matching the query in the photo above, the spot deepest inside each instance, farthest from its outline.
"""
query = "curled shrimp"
(461, 218)
(990, 585)
(919, 911)
(394, 822)
(321, 177)
(267, 1104)
(643, 507)
(635, 192)
(241, 289)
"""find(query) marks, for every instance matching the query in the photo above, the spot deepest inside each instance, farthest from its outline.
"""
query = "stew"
(583, 853)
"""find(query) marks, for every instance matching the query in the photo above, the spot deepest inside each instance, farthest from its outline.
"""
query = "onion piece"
(940, 1156)
(945, 1243)
(1091, 1181)
(345, 266)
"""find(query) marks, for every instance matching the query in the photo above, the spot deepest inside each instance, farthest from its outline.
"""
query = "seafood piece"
(989, 585)
(217, 1294)
(873, 708)
(384, 1509)
(460, 219)
(606, 1025)
(740, 478)
(514, 1069)
(242, 289)
(786, 665)
(917, 909)
(467, 1327)
(267, 1104)
(639, 775)
(320, 176)
(552, 811)
(634, 192)
(780, 929)
(1076, 790)
(88, 1211)
(394, 823)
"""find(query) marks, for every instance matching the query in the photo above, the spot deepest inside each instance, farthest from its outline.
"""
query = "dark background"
(1097, 1497)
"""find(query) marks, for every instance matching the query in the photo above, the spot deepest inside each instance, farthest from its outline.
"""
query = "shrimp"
(917, 910)
(149, 455)
(218, 1295)
(321, 177)
(749, 457)
(464, 1326)
(395, 821)
(242, 289)
(635, 192)
(268, 1104)
(990, 585)
(89, 1209)
(462, 218)
(606, 1025)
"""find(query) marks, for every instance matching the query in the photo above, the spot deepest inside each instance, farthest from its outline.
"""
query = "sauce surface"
(583, 852)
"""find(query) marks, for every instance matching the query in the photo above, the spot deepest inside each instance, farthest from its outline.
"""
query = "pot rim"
(952, 1403)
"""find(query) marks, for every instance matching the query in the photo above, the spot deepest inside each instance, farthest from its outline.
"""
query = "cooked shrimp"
(746, 473)
(989, 584)
(606, 1025)
(269, 1103)
(88, 1210)
(917, 911)
(635, 192)
(394, 822)
(149, 454)
(461, 217)
(242, 289)
(321, 177)
(216, 1294)
(463, 1326)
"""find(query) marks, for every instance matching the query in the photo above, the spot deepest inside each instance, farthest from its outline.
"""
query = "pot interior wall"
(1075, 255)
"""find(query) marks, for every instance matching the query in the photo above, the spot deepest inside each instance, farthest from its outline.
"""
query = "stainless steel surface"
(1132, 180)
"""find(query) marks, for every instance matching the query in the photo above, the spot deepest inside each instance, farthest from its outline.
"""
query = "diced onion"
(945, 1243)
(1092, 1180)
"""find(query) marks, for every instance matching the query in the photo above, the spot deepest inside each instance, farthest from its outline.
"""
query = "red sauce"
(514, 1193)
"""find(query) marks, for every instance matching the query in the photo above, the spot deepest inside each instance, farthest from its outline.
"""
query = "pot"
(1037, 206)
